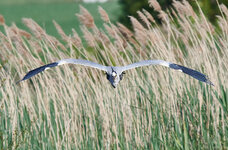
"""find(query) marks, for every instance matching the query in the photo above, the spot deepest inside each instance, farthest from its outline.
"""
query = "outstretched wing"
(195, 74)
(61, 62)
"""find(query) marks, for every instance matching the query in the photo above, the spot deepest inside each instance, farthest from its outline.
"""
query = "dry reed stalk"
(34, 27)
(53, 42)
(223, 25)
(140, 31)
(190, 11)
(104, 15)
(114, 32)
(102, 38)
(3, 37)
(136, 24)
(88, 36)
(144, 19)
(149, 16)
(179, 7)
(185, 23)
(25, 34)
(7, 34)
(110, 31)
(125, 31)
(224, 10)
(173, 13)
(20, 32)
(12, 33)
(5, 42)
(120, 43)
(184, 8)
(208, 28)
(2, 20)
(36, 45)
(164, 18)
(60, 31)
(154, 4)
(85, 17)
(223, 22)
(22, 49)
(181, 14)
(76, 40)
(17, 41)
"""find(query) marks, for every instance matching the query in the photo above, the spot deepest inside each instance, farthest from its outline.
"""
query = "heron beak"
(114, 85)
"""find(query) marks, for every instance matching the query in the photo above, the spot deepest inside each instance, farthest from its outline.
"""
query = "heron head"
(114, 74)
(114, 78)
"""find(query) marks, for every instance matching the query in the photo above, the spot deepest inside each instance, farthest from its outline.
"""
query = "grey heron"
(115, 74)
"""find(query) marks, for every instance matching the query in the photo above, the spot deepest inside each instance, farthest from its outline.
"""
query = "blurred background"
(63, 11)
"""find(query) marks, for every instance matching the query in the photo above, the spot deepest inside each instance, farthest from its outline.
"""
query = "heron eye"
(114, 74)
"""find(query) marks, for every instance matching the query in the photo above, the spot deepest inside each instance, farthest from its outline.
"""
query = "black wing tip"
(35, 71)
(18, 81)
(208, 81)
(195, 74)
(21, 80)
(211, 83)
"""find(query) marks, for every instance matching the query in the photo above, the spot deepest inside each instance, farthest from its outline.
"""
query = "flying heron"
(115, 74)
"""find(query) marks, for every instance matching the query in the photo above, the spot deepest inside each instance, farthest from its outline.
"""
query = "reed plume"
(85, 17)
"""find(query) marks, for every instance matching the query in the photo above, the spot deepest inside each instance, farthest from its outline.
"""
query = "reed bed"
(74, 107)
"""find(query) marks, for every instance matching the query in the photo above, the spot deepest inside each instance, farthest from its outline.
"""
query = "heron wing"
(61, 62)
(193, 73)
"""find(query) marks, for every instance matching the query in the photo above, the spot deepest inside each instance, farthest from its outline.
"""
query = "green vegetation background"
(62, 11)
(209, 7)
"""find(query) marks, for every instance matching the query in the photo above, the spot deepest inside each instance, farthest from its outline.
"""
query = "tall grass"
(73, 107)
